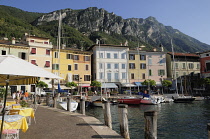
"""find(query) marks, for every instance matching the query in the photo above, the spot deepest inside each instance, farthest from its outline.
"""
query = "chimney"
(13, 40)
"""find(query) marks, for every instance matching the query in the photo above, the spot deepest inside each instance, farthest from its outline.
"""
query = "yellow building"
(137, 65)
(72, 65)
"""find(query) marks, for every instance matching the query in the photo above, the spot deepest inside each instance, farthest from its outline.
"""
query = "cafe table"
(22, 111)
(14, 106)
(10, 120)
(9, 103)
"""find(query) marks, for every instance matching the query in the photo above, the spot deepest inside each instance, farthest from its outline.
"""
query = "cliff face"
(147, 30)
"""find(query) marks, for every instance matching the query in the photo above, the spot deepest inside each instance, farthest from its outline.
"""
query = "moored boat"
(183, 99)
(129, 100)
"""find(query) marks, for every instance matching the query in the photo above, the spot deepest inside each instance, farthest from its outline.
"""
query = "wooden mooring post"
(54, 101)
(107, 114)
(48, 99)
(208, 128)
(69, 103)
(82, 106)
(123, 118)
(150, 125)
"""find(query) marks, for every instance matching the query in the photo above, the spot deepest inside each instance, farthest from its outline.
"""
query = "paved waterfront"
(54, 123)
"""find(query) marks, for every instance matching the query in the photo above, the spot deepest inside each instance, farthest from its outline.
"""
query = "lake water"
(175, 120)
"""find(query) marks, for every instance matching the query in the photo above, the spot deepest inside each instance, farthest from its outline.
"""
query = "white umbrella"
(15, 71)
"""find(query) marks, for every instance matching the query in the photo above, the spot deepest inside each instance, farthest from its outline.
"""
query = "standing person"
(18, 97)
(26, 96)
(14, 95)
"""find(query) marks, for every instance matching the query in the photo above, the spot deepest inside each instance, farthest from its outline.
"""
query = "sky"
(191, 17)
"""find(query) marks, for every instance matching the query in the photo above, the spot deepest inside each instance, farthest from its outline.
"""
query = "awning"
(138, 83)
(128, 85)
(109, 85)
(158, 84)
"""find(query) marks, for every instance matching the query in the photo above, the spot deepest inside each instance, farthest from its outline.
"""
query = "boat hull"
(74, 106)
(183, 100)
(97, 103)
(129, 100)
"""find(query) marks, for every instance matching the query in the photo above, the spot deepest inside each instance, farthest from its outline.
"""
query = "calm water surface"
(175, 120)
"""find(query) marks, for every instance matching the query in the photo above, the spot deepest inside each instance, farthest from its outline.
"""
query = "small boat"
(198, 98)
(183, 99)
(74, 105)
(129, 100)
(97, 101)
(150, 101)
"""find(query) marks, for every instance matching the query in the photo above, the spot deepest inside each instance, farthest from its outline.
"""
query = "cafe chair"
(11, 130)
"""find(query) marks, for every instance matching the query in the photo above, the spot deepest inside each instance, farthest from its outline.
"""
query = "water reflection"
(175, 120)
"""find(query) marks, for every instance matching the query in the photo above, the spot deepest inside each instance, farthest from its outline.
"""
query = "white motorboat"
(74, 105)
(97, 101)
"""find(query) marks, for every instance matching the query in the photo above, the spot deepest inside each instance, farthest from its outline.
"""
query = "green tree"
(166, 83)
(71, 85)
(149, 82)
(96, 84)
(2, 92)
(40, 86)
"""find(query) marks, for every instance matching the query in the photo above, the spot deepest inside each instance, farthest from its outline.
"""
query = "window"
(33, 62)
(45, 42)
(32, 41)
(47, 52)
(207, 54)
(116, 66)
(142, 66)
(108, 55)
(109, 76)
(75, 66)
(123, 66)
(123, 75)
(47, 63)
(33, 50)
(108, 66)
(86, 67)
(101, 55)
(33, 88)
(76, 77)
(76, 57)
(116, 76)
(123, 56)
(55, 54)
(115, 56)
(207, 66)
(86, 77)
(132, 75)
(198, 66)
(177, 74)
(142, 57)
(150, 72)
(55, 66)
(150, 61)
(131, 57)
(100, 66)
(100, 75)
(161, 61)
(161, 72)
(86, 58)
(176, 65)
(143, 76)
(183, 66)
(191, 65)
(3, 52)
(68, 56)
(131, 65)
(22, 55)
(69, 67)
(184, 73)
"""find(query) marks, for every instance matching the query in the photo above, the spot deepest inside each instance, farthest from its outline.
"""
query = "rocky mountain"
(82, 27)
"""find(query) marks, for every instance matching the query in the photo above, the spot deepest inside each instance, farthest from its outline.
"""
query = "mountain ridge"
(87, 25)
